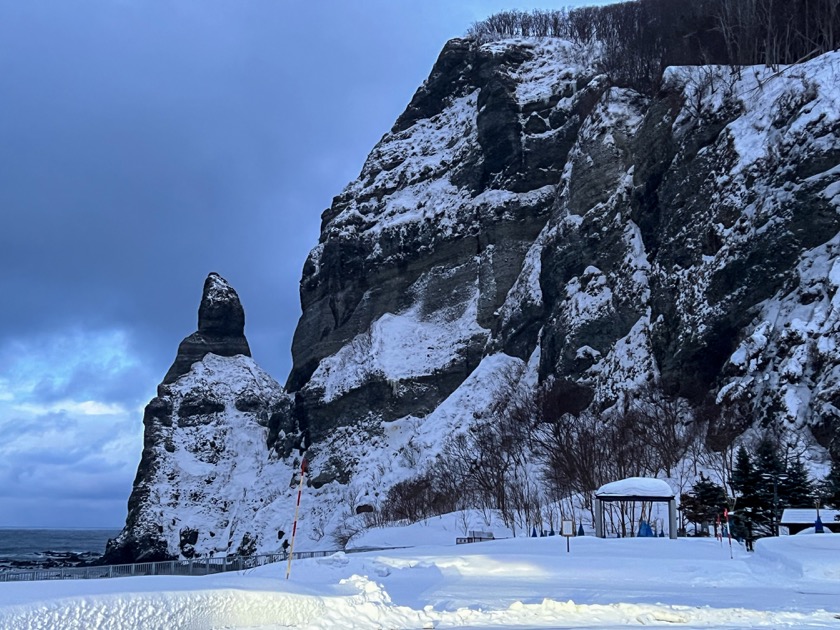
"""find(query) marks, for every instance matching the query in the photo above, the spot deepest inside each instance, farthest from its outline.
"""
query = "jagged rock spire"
(221, 328)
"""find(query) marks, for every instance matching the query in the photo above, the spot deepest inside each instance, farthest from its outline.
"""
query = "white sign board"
(568, 529)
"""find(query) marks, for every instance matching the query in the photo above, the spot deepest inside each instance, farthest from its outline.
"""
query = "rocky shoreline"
(52, 560)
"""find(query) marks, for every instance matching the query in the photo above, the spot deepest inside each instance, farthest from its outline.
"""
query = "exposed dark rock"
(221, 328)
(354, 278)
(248, 546)
(198, 405)
(499, 130)
(189, 537)
(333, 470)
(451, 76)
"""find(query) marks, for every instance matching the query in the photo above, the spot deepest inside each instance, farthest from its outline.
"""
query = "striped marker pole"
(294, 526)
(728, 531)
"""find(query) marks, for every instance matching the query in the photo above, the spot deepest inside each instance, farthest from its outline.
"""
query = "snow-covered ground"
(789, 582)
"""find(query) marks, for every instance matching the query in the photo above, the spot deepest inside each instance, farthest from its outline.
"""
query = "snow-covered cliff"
(206, 468)
(525, 219)
(523, 205)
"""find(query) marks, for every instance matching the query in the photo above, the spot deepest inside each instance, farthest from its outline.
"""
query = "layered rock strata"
(522, 205)
(416, 256)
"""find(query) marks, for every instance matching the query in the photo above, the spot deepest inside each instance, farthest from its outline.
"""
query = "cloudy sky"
(143, 144)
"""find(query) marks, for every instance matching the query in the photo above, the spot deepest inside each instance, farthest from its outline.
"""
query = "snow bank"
(529, 582)
(814, 557)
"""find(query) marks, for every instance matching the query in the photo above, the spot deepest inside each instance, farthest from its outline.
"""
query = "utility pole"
(775, 476)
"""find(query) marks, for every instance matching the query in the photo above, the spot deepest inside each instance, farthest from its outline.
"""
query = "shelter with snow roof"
(635, 489)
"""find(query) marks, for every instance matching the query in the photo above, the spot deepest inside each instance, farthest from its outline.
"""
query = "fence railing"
(195, 566)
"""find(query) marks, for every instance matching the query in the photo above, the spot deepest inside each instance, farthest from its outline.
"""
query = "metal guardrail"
(195, 566)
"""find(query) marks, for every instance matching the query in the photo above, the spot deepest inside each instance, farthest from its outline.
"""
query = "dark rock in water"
(143, 548)
(54, 560)
(221, 328)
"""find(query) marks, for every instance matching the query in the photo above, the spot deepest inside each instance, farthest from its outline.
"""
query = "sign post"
(567, 530)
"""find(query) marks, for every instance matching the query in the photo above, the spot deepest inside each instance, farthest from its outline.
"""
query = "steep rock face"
(221, 328)
(204, 443)
(692, 241)
(425, 245)
(523, 206)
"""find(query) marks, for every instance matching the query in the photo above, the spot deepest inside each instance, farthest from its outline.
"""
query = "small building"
(797, 519)
(635, 489)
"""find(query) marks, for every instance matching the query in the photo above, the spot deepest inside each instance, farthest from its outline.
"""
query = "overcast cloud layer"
(144, 144)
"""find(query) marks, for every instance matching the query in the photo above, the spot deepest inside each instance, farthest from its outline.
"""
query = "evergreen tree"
(744, 477)
(706, 501)
(830, 487)
(753, 514)
(767, 463)
(770, 473)
(796, 490)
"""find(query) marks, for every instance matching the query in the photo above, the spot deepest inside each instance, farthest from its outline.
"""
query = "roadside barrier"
(194, 566)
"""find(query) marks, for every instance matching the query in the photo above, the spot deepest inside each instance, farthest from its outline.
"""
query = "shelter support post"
(672, 519)
(599, 517)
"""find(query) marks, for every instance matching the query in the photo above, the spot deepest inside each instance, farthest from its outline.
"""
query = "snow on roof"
(809, 515)
(636, 487)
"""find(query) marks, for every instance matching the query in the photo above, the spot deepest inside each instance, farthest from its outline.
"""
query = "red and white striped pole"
(728, 530)
(294, 526)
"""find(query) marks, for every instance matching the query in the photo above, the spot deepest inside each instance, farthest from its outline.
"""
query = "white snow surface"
(790, 582)
(400, 346)
(404, 446)
(214, 473)
(636, 487)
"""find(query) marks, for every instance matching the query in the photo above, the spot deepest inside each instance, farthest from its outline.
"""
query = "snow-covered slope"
(201, 494)
(521, 583)
(206, 468)
(524, 211)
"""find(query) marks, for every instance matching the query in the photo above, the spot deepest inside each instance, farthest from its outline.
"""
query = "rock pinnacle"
(221, 328)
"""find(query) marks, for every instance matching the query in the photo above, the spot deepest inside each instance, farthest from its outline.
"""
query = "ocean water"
(29, 545)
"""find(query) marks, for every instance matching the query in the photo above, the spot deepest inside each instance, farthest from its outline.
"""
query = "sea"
(37, 547)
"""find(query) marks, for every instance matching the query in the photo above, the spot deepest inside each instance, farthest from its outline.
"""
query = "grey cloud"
(144, 144)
